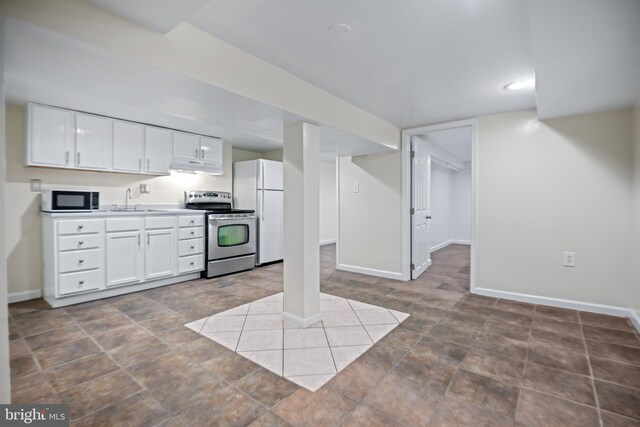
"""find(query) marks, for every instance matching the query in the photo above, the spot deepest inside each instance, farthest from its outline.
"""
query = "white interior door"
(420, 208)
(271, 224)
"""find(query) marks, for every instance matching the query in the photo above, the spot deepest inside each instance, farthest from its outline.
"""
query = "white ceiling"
(44, 67)
(456, 141)
(409, 62)
(587, 55)
(417, 62)
(160, 16)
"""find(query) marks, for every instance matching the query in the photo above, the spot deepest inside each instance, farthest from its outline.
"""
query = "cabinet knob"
(80, 243)
(80, 283)
(193, 232)
(80, 261)
(191, 263)
(193, 222)
(193, 247)
(80, 227)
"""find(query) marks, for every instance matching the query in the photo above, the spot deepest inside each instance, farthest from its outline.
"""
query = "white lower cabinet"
(125, 258)
(91, 258)
(160, 254)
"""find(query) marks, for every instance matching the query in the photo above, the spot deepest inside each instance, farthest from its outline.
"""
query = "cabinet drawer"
(80, 226)
(80, 260)
(190, 263)
(73, 243)
(159, 222)
(124, 224)
(80, 282)
(190, 247)
(190, 233)
(191, 221)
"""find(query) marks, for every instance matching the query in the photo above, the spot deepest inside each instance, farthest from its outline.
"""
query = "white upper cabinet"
(210, 149)
(158, 145)
(93, 142)
(68, 139)
(50, 136)
(186, 145)
(128, 146)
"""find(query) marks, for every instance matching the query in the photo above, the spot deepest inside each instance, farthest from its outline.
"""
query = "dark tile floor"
(459, 360)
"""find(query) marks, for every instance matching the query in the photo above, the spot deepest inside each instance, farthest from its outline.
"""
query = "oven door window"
(233, 235)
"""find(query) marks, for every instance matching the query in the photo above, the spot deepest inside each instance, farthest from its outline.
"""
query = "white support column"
(301, 223)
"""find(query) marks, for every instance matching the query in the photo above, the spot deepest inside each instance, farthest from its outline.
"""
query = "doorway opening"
(440, 176)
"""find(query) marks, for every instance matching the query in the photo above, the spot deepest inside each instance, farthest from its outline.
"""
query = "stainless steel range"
(231, 233)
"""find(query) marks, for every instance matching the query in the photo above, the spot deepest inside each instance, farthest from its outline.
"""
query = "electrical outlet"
(569, 259)
(145, 189)
(36, 185)
(356, 187)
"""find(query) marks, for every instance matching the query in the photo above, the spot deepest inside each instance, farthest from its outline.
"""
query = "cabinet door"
(50, 140)
(211, 149)
(93, 142)
(186, 145)
(125, 260)
(157, 148)
(161, 254)
(128, 146)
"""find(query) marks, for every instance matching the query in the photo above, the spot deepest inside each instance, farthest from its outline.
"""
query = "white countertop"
(142, 211)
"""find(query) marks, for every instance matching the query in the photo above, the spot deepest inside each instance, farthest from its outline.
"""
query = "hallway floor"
(459, 359)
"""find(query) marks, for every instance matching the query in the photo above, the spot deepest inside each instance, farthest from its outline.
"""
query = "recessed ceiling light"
(524, 84)
(339, 31)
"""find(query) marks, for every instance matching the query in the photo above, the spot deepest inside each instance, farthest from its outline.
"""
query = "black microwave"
(69, 201)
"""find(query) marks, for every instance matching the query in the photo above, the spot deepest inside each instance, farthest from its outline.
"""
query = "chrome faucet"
(127, 197)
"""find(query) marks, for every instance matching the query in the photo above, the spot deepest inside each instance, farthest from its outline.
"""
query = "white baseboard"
(371, 271)
(635, 318)
(461, 242)
(611, 310)
(450, 242)
(327, 242)
(301, 322)
(24, 296)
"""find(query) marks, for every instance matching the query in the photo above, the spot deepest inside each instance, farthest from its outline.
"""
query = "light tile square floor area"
(308, 357)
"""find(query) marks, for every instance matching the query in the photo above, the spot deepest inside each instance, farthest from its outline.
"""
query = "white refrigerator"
(258, 185)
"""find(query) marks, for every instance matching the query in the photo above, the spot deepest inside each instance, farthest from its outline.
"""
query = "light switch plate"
(145, 189)
(569, 259)
(36, 185)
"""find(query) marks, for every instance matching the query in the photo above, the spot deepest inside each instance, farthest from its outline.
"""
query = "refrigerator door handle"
(262, 206)
(262, 185)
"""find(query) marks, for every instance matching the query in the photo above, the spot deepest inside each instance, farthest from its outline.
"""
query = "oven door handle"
(226, 218)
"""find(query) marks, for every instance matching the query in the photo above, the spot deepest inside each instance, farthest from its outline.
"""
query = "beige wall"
(328, 202)
(243, 155)
(636, 209)
(554, 186)
(22, 229)
(370, 221)
(275, 155)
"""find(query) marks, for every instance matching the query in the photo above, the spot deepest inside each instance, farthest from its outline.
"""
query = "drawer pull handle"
(193, 247)
(80, 227)
(191, 263)
(192, 222)
(80, 243)
(193, 232)
(80, 261)
(81, 282)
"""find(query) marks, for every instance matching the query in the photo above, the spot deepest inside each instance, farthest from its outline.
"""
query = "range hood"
(195, 166)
